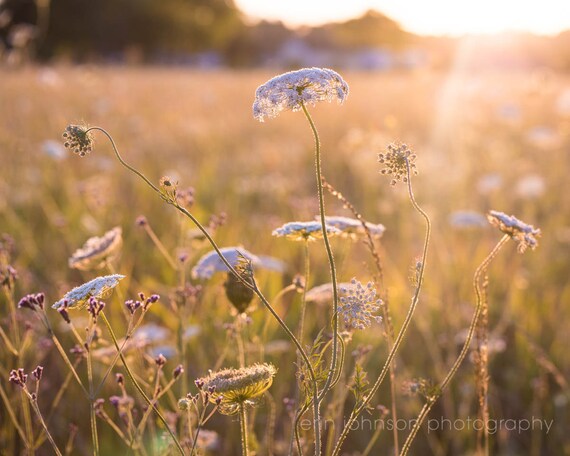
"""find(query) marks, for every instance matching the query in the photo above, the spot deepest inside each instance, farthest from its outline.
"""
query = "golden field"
(484, 141)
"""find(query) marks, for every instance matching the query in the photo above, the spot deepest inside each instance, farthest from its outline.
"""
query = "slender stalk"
(92, 416)
(136, 384)
(243, 427)
(7, 342)
(478, 292)
(12, 414)
(403, 329)
(160, 246)
(36, 409)
(389, 327)
(28, 424)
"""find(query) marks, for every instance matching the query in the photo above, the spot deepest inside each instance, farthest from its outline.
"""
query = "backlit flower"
(359, 304)
(295, 88)
(98, 288)
(353, 228)
(97, 251)
(524, 234)
(303, 231)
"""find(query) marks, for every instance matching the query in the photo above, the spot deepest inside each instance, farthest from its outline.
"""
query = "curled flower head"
(524, 234)
(97, 251)
(98, 288)
(352, 228)
(293, 89)
(234, 387)
(397, 159)
(303, 231)
(78, 139)
(359, 304)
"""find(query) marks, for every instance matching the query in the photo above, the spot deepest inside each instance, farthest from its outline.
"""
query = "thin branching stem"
(405, 324)
(136, 384)
(214, 245)
(478, 292)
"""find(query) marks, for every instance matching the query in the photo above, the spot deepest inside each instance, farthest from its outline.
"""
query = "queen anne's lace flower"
(397, 160)
(96, 288)
(291, 90)
(359, 304)
(352, 228)
(97, 251)
(323, 294)
(303, 231)
(524, 234)
(234, 387)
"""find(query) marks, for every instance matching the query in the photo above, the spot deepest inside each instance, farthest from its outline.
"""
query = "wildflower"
(178, 371)
(183, 404)
(296, 88)
(94, 307)
(32, 301)
(236, 387)
(352, 228)
(397, 160)
(38, 372)
(211, 262)
(97, 251)
(78, 139)
(18, 377)
(160, 360)
(359, 304)
(96, 288)
(524, 234)
(303, 231)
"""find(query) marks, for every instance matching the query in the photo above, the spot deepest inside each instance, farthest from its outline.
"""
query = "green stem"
(136, 384)
(36, 409)
(243, 426)
(432, 400)
(403, 329)
(92, 416)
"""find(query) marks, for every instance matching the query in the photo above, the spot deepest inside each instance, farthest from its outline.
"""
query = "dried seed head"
(524, 234)
(238, 386)
(398, 159)
(78, 139)
(289, 91)
(183, 404)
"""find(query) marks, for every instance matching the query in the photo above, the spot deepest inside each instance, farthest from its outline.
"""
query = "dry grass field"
(483, 142)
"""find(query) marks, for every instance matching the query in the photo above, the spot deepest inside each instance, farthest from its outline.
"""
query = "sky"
(430, 17)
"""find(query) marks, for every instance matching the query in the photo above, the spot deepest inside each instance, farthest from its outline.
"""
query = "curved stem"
(136, 384)
(245, 282)
(403, 329)
(243, 427)
(432, 400)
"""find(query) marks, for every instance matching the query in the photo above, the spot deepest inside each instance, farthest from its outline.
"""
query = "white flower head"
(524, 234)
(353, 228)
(211, 262)
(303, 231)
(96, 288)
(359, 304)
(295, 88)
(97, 251)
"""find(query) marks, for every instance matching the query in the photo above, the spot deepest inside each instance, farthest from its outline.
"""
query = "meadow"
(484, 141)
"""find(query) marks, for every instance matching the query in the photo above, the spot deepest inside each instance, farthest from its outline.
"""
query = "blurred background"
(480, 90)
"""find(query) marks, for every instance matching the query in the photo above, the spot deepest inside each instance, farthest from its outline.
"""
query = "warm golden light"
(434, 17)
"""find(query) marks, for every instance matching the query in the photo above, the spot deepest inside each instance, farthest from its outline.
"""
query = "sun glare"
(447, 17)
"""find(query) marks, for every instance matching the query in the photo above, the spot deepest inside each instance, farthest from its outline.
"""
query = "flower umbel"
(396, 160)
(359, 304)
(295, 88)
(97, 288)
(78, 139)
(97, 251)
(238, 386)
(524, 234)
(353, 228)
(303, 231)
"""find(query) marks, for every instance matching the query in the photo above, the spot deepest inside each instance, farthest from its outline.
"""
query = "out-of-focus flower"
(97, 251)
(289, 91)
(467, 219)
(323, 294)
(78, 139)
(353, 228)
(211, 262)
(530, 186)
(304, 231)
(524, 234)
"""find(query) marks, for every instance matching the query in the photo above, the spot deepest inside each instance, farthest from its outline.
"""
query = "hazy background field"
(489, 118)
